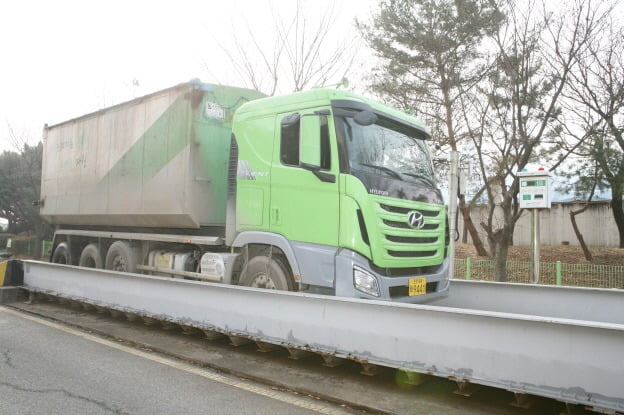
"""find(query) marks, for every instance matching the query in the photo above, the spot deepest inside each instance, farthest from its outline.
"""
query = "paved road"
(48, 368)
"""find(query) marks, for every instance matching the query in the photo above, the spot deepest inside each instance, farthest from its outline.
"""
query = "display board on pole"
(534, 194)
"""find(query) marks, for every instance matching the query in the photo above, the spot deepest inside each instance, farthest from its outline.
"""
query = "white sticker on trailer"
(213, 110)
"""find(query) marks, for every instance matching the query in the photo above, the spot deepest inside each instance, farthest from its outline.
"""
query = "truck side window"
(325, 149)
(289, 146)
(291, 140)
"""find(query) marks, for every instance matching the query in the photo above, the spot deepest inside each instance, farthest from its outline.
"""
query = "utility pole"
(535, 246)
(452, 209)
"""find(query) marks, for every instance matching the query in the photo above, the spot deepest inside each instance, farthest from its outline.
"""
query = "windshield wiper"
(420, 176)
(384, 169)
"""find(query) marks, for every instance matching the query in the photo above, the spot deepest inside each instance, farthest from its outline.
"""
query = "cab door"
(304, 178)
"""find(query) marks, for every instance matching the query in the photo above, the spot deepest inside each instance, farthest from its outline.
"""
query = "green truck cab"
(344, 187)
(321, 191)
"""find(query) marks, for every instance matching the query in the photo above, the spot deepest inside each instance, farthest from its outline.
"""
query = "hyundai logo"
(416, 219)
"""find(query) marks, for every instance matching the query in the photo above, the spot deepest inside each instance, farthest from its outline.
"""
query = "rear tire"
(262, 272)
(123, 256)
(91, 257)
(62, 254)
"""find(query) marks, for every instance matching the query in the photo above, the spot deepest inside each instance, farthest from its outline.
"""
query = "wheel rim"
(119, 263)
(262, 280)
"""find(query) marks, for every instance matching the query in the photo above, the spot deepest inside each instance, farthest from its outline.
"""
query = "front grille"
(403, 245)
(403, 291)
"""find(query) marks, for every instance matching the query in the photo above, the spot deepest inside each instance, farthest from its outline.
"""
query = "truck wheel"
(91, 257)
(264, 272)
(122, 256)
(62, 254)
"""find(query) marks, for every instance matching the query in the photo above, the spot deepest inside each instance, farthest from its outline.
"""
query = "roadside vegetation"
(20, 184)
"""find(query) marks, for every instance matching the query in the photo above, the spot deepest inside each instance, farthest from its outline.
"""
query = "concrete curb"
(10, 295)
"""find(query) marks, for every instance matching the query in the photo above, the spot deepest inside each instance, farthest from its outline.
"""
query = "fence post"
(558, 268)
(45, 246)
(468, 268)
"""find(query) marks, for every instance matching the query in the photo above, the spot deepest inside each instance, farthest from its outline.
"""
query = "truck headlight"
(365, 282)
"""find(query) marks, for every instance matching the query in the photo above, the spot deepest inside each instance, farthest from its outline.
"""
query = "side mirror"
(310, 144)
(365, 118)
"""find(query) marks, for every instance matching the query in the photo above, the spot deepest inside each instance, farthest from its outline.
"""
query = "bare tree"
(595, 94)
(303, 53)
(513, 115)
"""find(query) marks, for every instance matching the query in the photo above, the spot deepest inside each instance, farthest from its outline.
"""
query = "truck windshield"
(388, 149)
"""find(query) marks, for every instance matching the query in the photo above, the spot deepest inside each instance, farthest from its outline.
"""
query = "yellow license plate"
(417, 286)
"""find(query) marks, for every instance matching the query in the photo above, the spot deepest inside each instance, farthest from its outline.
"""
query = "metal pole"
(452, 212)
(535, 246)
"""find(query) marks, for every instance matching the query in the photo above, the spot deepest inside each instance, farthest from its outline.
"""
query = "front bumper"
(391, 288)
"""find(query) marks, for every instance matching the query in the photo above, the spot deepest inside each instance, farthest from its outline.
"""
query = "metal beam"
(576, 303)
(575, 361)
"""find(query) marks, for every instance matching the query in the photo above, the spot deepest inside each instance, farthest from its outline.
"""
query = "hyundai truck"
(322, 191)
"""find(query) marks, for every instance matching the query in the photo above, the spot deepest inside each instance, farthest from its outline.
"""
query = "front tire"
(123, 256)
(268, 273)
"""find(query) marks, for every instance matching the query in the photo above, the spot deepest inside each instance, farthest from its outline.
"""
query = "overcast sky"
(61, 59)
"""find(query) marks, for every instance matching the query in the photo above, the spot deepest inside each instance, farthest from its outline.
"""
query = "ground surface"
(47, 368)
(565, 254)
(381, 394)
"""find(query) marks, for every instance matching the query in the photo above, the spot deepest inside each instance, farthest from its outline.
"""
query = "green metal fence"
(551, 273)
(26, 246)
(46, 246)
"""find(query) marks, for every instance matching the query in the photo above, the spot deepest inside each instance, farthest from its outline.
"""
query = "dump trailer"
(321, 191)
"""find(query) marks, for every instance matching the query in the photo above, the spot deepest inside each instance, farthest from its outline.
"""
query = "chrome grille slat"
(404, 225)
(406, 210)
(412, 239)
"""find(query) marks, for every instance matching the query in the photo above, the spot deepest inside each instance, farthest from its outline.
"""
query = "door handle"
(275, 215)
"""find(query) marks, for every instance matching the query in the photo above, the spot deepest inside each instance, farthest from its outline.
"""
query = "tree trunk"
(474, 235)
(618, 215)
(501, 249)
(577, 232)
(465, 231)
(579, 235)
(464, 237)
(499, 245)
